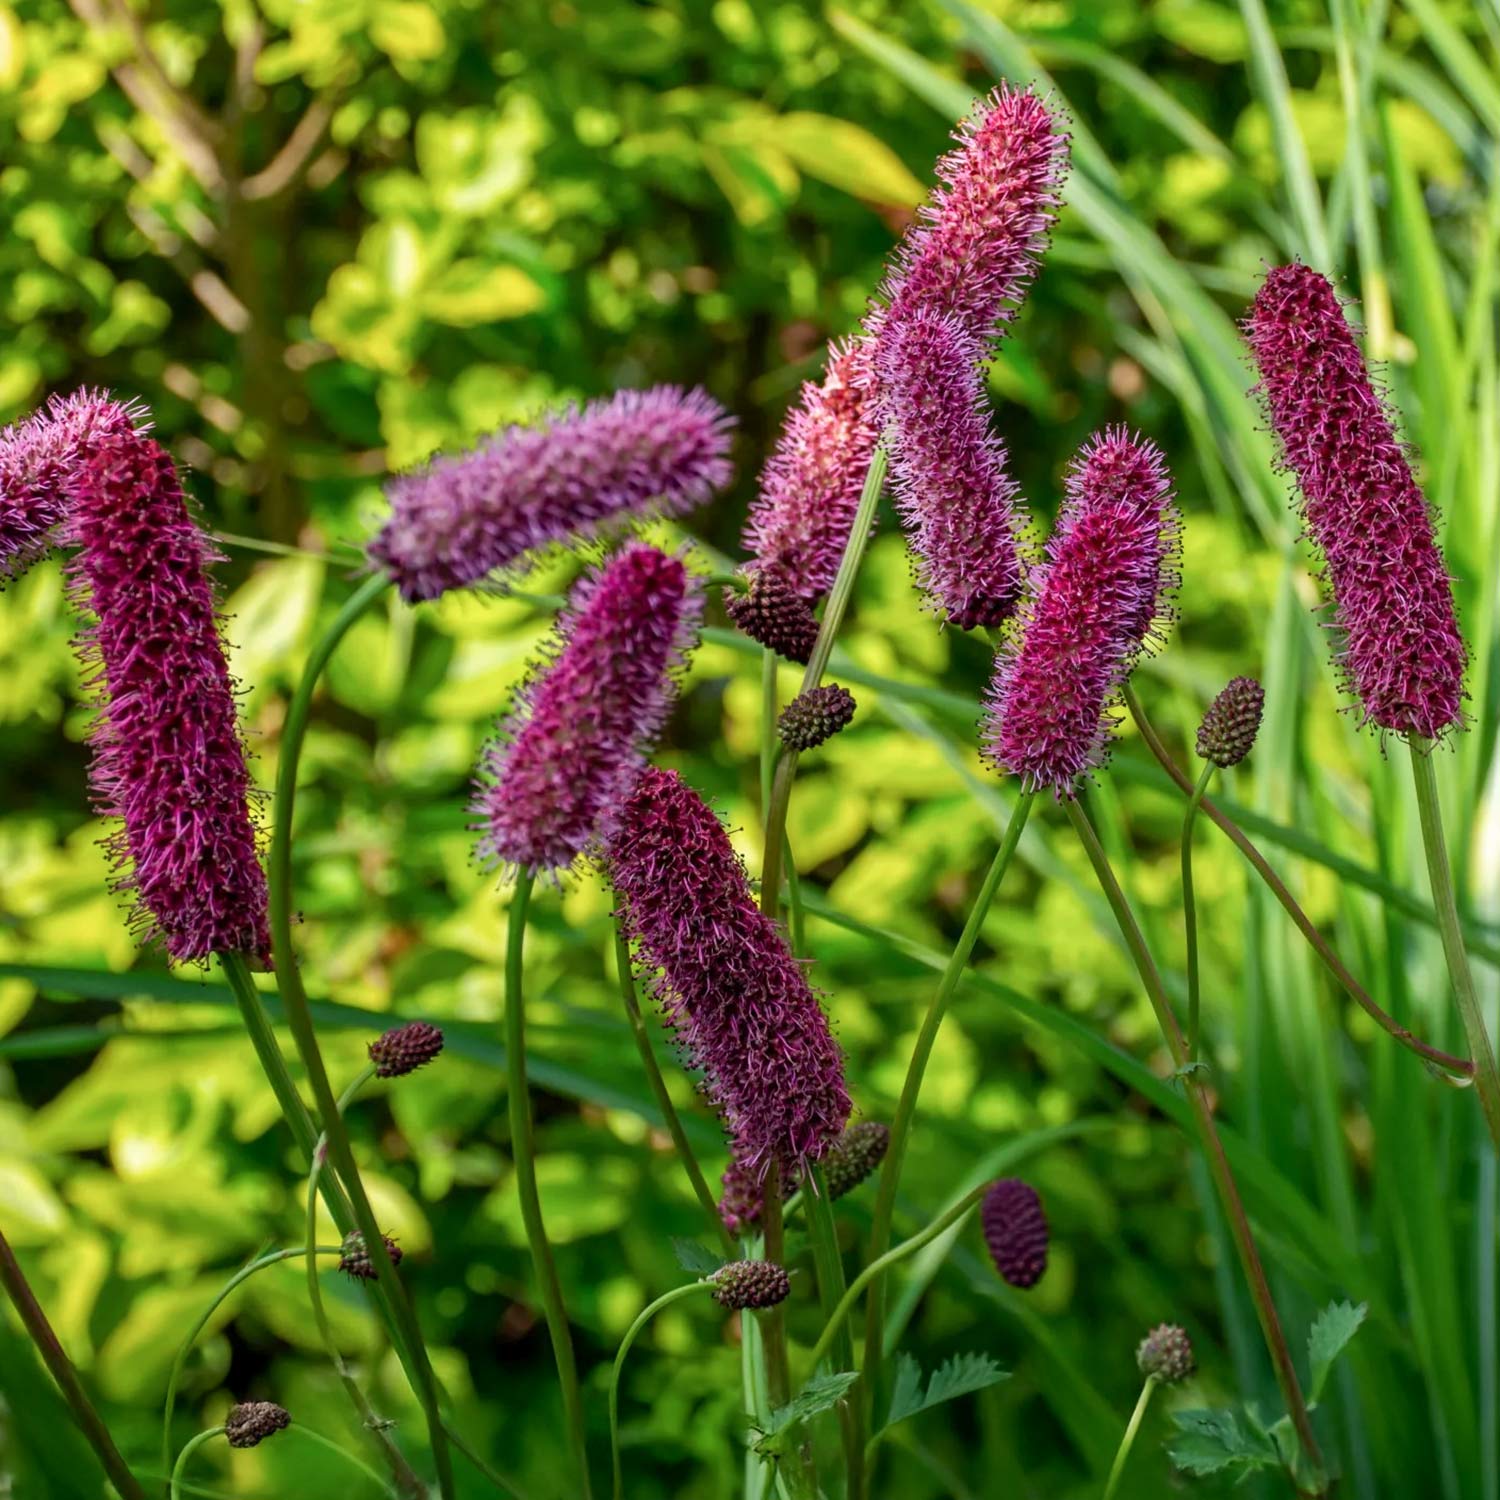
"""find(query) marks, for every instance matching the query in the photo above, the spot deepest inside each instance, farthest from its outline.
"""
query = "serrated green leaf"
(1331, 1331)
(695, 1259)
(821, 1393)
(959, 1376)
(1212, 1441)
(906, 1397)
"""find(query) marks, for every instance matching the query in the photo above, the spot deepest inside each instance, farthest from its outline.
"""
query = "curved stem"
(631, 1334)
(663, 1099)
(906, 1108)
(41, 1333)
(1440, 874)
(523, 1154)
(1212, 1146)
(196, 1442)
(192, 1445)
(881, 1264)
(343, 1453)
(1315, 940)
(1128, 1441)
(406, 1331)
(1189, 907)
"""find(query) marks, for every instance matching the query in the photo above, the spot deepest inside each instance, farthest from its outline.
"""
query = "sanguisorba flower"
(810, 487)
(1403, 654)
(168, 758)
(463, 517)
(739, 1001)
(565, 759)
(1109, 567)
(961, 509)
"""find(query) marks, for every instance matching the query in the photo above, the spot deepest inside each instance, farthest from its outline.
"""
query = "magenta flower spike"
(1403, 655)
(168, 758)
(962, 511)
(1109, 570)
(739, 1001)
(810, 487)
(976, 244)
(565, 760)
(633, 455)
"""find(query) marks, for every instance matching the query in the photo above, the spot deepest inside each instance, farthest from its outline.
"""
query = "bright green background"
(505, 205)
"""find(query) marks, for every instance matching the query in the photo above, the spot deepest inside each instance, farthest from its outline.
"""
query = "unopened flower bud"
(772, 612)
(815, 716)
(354, 1259)
(854, 1156)
(404, 1049)
(252, 1422)
(1015, 1230)
(750, 1283)
(1167, 1353)
(1231, 722)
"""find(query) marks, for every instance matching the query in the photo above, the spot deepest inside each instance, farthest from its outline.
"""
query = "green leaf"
(695, 1259)
(1212, 1441)
(846, 156)
(1331, 1331)
(960, 1376)
(821, 1393)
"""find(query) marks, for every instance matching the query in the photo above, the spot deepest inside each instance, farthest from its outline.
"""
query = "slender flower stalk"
(1122, 1454)
(555, 780)
(179, 1485)
(40, 1331)
(1190, 910)
(523, 1157)
(1165, 1357)
(633, 455)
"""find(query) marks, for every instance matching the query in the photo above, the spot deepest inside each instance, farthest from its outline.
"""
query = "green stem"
(1212, 1146)
(794, 1472)
(192, 1445)
(663, 1099)
(828, 1262)
(906, 1108)
(1189, 907)
(1128, 1441)
(1440, 874)
(263, 1039)
(1315, 940)
(406, 1331)
(523, 1154)
(174, 1380)
(40, 1331)
(631, 1334)
(882, 1263)
(492, 1474)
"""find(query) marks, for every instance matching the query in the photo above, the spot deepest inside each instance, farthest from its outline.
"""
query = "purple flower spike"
(565, 760)
(1109, 568)
(168, 759)
(811, 484)
(961, 509)
(1403, 654)
(976, 244)
(728, 985)
(639, 453)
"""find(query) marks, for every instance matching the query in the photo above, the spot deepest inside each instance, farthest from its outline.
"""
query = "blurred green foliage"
(323, 239)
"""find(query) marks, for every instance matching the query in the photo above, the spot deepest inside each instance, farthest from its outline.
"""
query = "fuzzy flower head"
(1403, 656)
(555, 779)
(1110, 566)
(738, 1000)
(811, 484)
(976, 244)
(962, 511)
(636, 454)
(168, 759)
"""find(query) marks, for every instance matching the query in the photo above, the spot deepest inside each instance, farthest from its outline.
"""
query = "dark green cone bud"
(815, 716)
(750, 1283)
(854, 1156)
(1229, 727)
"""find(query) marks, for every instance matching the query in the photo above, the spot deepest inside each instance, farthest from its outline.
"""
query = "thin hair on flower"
(627, 457)
(557, 774)
(736, 997)
(1402, 654)
(1094, 610)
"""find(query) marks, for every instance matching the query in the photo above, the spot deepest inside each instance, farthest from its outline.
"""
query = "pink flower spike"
(556, 777)
(961, 509)
(1403, 654)
(1108, 572)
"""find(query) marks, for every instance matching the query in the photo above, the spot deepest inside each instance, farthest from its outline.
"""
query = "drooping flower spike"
(811, 484)
(557, 776)
(962, 511)
(1403, 655)
(1049, 710)
(168, 758)
(739, 1001)
(464, 517)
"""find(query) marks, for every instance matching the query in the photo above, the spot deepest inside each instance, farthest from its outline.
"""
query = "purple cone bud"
(743, 1284)
(1166, 1353)
(1015, 1230)
(811, 484)
(738, 1000)
(404, 1049)
(557, 776)
(354, 1259)
(1231, 722)
(168, 758)
(772, 612)
(815, 716)
(639, 453)
(1403, 654)
(1109, 569)
(961, 509)
(252, 1422)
